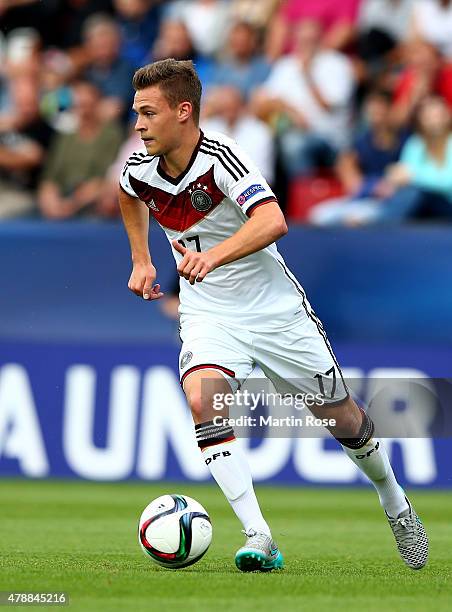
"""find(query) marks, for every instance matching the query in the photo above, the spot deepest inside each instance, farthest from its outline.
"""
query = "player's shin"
(229, 467)
(370, 455)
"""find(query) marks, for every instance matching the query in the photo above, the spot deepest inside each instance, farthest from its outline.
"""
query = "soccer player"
(239, 303)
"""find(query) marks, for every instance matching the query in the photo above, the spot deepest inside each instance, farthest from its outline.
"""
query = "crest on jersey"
(185, 359)
(200, 199)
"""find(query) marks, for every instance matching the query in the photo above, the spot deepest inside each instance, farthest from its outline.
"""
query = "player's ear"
(185, 111)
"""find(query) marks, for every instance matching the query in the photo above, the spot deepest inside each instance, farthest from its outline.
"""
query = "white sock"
(372, 459)
(229, 467)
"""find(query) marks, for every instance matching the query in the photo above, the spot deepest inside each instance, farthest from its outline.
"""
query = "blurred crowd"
(354, 95)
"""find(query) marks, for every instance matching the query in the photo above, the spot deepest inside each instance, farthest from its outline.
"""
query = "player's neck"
(175, 162)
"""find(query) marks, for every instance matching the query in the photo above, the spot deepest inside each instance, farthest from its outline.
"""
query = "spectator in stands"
(24, 139)
(382, 26)
(308, 93)
(73, 177)
(338, 19)
(225, 111)
(21, 54)
(139, 22)
(432, 22)
(34, 14)
(108, 201)
(207, 22)
(362, 168)
(258, 14)
(55, 91)
(20, 59)
(105, 68)
(425, 73)
(242, 66)
(174, 41)
(70, 19)
(422, 180)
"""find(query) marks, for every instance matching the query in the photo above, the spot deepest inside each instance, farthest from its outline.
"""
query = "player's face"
(157, 123)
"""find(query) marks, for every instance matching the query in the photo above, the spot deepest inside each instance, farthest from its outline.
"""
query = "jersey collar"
(176, 180)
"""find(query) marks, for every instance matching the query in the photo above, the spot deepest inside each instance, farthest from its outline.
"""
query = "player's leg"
(229, 467)
(214, 361)
(302, 360)
(220, 450)
(355, 431)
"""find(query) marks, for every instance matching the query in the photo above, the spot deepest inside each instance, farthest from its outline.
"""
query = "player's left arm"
(265, 225)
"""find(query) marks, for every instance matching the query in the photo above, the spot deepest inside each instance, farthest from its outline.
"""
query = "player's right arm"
(135, 216)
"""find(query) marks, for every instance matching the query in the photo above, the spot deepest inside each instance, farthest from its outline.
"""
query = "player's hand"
(194, 266)
(141, 282)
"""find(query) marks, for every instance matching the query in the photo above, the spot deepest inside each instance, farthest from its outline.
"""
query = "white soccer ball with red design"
(174, 531)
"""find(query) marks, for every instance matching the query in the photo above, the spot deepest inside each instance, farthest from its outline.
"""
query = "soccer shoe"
(410, 537)
(260, 553)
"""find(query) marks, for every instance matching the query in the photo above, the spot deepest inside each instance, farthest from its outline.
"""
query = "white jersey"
(204, 206)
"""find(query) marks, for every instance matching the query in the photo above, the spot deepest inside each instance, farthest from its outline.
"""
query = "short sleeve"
(240, 180)
(124, 179)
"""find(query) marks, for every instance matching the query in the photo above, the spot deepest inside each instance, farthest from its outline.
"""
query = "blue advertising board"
(88, 372)
(116, 412)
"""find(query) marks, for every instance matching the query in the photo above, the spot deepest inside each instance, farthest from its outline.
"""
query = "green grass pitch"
(340, 554)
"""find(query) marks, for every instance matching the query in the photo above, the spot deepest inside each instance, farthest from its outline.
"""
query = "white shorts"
(298, 360)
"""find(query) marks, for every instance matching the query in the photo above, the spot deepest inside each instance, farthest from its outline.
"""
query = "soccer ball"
(175, 531)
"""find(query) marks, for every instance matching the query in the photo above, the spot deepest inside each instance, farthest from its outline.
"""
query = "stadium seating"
(306, 192)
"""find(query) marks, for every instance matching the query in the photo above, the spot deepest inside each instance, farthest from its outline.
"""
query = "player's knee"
(195, 402)
(347, 426)
(201, 393)
(348, 420)
(200, 405)
(355, 430)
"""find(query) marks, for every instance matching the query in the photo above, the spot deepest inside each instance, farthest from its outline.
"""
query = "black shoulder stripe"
(229, 155)
(138, 163)
(224, 146)
(136, 157)
(222, 161)
(226, 158)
